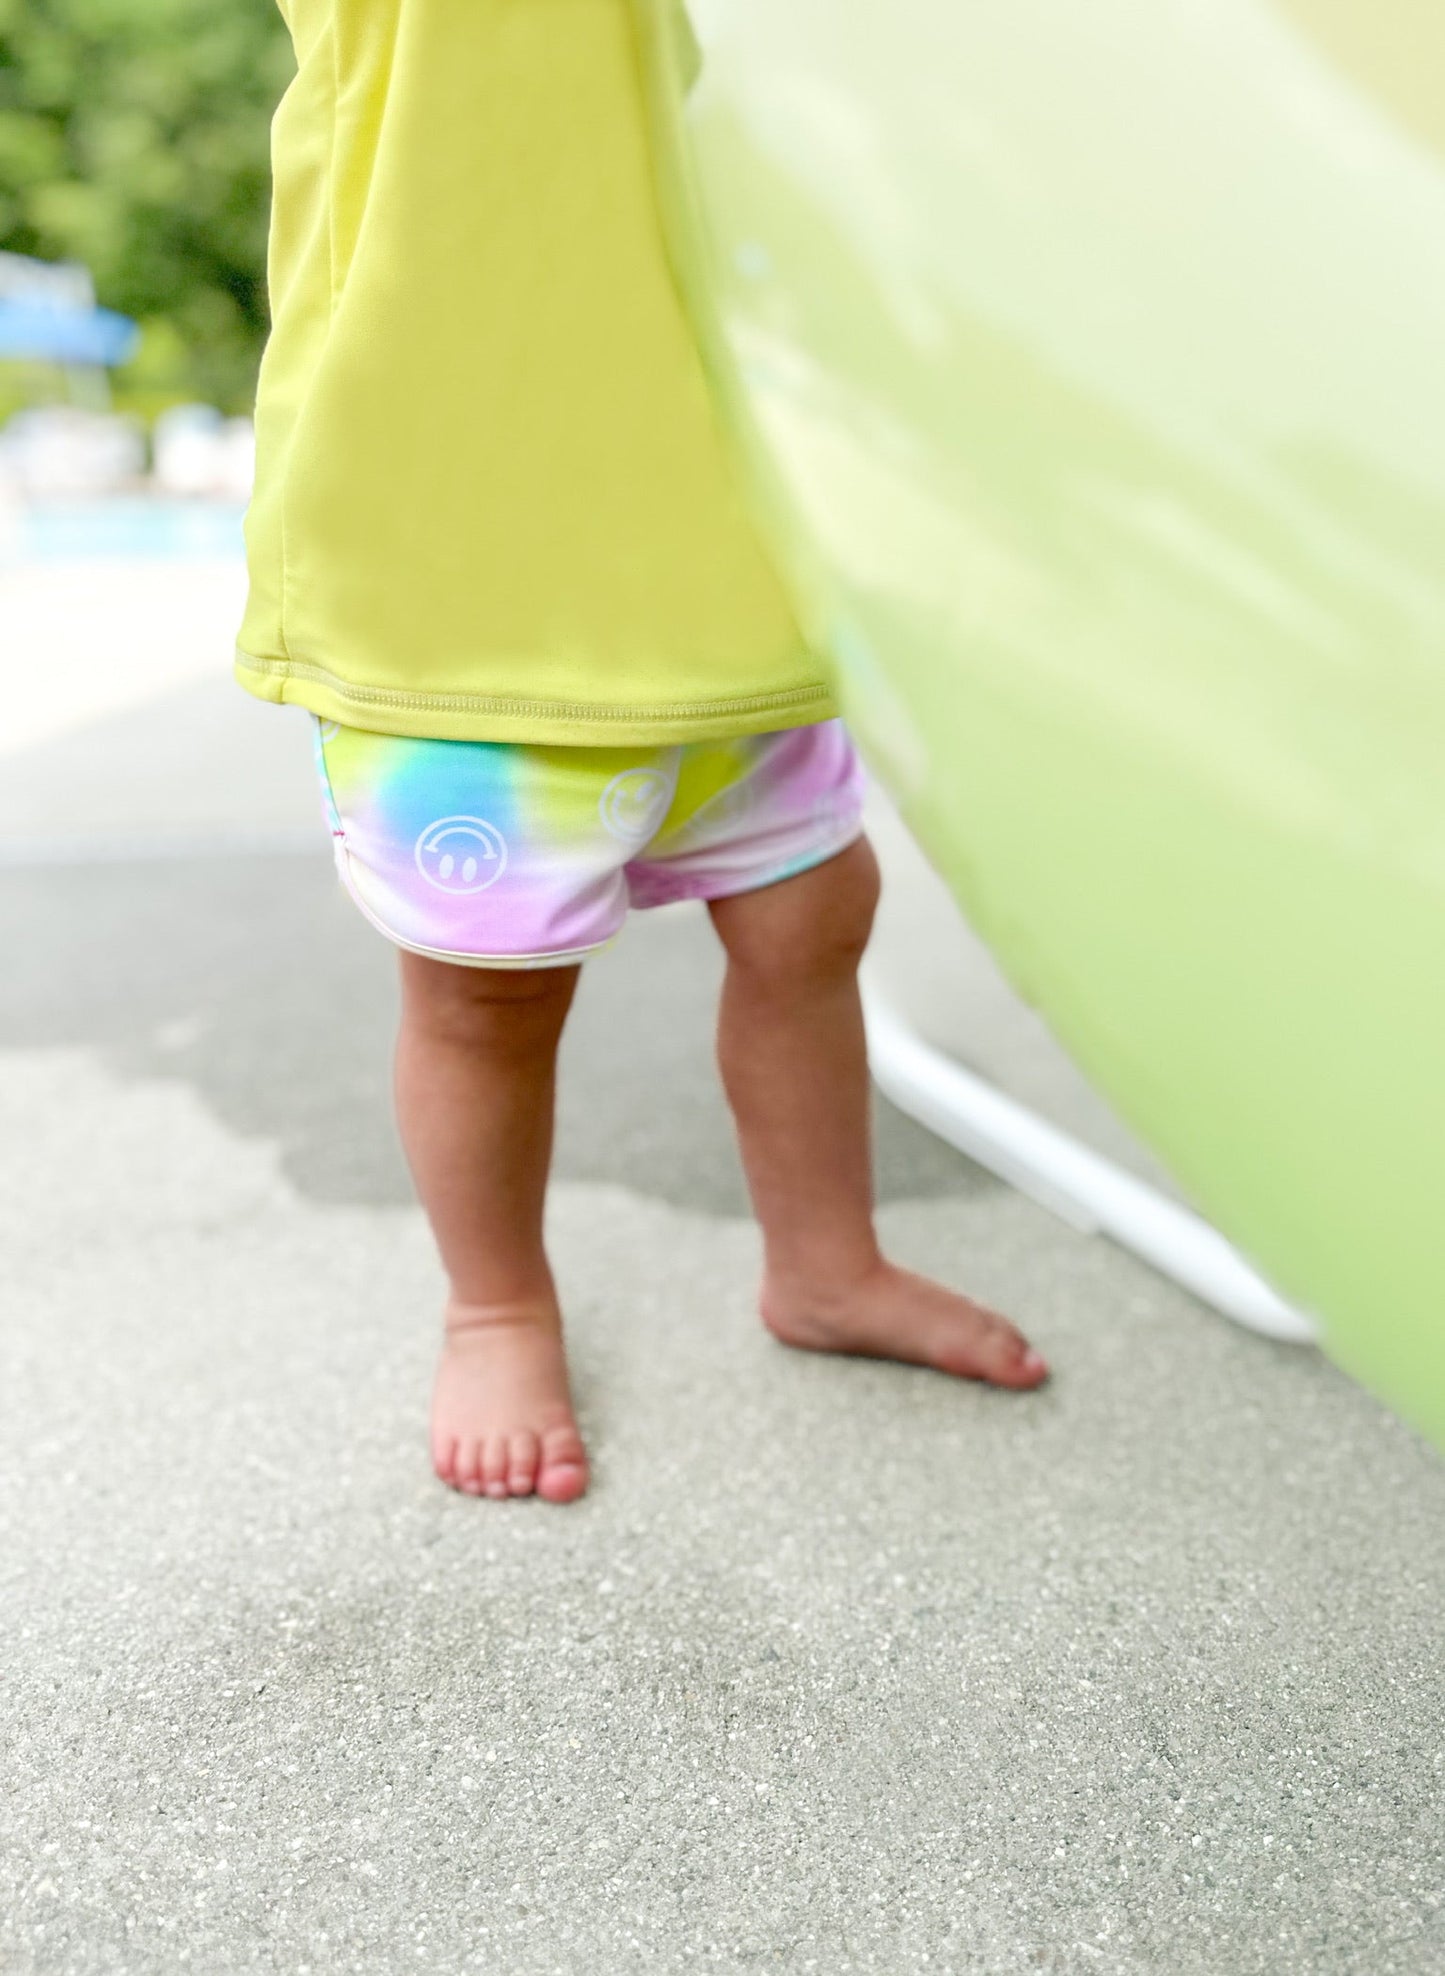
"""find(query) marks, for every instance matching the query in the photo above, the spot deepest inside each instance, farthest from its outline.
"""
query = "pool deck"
(840, 1667)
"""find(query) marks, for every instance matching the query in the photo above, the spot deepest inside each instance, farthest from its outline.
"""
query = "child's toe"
(494, 1465)
(562, 1475)
(1014, 1360)
(523, 1461)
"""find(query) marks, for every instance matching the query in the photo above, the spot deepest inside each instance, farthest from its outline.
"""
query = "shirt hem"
(505, 717)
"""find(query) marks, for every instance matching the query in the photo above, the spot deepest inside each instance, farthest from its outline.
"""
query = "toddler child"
(497, 549)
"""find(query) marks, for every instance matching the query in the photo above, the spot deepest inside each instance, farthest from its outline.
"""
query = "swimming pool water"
(128, 529)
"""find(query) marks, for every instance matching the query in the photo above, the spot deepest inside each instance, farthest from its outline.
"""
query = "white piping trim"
(1070, 1179)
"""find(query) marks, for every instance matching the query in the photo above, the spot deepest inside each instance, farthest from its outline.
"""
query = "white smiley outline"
(622, 789)
(480, 832)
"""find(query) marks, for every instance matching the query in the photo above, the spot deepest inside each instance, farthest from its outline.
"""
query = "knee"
(808, 931)
(485, 1007)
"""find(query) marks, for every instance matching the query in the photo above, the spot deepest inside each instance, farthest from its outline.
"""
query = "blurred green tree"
(134, 137)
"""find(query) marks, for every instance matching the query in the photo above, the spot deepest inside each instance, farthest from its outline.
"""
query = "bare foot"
(502, 1421)
(893, 1314)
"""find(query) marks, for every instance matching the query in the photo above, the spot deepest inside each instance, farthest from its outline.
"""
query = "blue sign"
(43, 332)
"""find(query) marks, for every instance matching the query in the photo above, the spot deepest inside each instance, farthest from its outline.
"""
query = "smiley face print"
(634, 804)
(461, 854)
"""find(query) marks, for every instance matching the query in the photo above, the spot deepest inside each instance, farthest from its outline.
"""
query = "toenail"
(496, 1488)
(1033, 1363)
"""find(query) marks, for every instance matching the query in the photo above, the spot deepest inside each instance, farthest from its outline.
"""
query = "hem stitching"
(491, 703)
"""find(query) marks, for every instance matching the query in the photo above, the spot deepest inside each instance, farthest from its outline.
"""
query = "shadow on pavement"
(254, 980)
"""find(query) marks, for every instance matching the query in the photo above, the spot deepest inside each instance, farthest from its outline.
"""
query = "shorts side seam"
(323, 769)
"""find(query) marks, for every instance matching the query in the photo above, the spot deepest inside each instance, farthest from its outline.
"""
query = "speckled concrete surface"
(841, 1668)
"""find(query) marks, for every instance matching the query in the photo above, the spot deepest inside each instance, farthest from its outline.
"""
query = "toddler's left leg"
(791, 1046)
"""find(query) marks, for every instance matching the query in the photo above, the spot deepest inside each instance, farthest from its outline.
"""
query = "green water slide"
(1088, 364)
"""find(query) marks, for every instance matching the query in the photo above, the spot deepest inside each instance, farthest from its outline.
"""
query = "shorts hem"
(560, 957)
(513, 963)
(507, 963)
(750, 881)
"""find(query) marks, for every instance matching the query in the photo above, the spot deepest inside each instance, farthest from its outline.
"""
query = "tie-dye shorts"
(498, 854)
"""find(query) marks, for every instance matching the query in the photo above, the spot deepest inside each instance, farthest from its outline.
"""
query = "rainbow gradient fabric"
(511, 855)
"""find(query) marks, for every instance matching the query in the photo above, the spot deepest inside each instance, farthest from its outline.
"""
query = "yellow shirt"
(493, 501)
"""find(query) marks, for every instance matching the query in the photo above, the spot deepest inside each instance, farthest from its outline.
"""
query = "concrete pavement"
(841, 1668)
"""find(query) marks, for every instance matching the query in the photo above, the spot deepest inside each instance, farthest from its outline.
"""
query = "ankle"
(469, 1318)
(820, 1284)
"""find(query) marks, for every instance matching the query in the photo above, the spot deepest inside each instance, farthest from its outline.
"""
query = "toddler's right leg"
(475, 1081)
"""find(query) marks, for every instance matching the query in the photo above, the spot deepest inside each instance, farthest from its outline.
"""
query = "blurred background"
(133, 216)
(134, 145)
